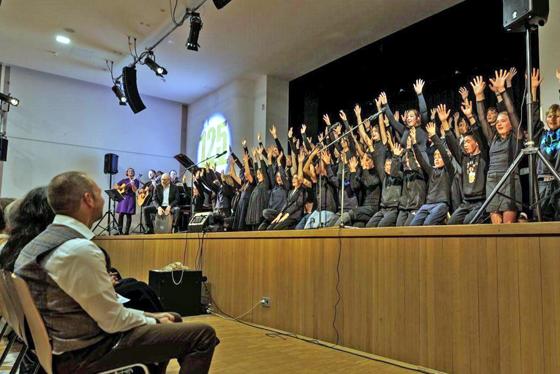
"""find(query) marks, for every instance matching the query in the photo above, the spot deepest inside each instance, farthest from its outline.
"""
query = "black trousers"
(128, 221)
(141, 296)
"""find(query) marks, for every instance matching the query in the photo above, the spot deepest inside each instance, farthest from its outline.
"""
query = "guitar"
(143, 194)
(122, 188)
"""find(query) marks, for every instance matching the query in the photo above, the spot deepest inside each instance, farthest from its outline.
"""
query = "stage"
(461, 299)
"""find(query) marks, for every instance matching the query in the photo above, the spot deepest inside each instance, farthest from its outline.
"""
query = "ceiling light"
(62, 39)
(152, 64)
(9, 99)
(196, 26)
(119, 94)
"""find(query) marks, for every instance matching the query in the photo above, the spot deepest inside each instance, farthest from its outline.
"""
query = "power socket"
(266, 301)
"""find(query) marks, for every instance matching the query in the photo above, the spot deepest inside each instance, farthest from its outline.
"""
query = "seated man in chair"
(165, 201)
(89, 330)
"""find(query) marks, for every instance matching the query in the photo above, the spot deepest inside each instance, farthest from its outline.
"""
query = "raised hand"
(273, 131)
(456, 116)
(464, 93)
(466, 108)
(558, 74)
(397, 150)
(418, 86)
(443, 112)
(290, 132)
(326, 157)
(431, 129)
(536, 78)
(301, 157)
(327, 119)
(342, 115)
(511, 73)
(303, 128)
(499, 80)
(353, 164)
(320, 137)
(433, 114)
(397, 115)
(259, 138)
(357, 110)
(378, 103)
(478, 86)
(383, 98)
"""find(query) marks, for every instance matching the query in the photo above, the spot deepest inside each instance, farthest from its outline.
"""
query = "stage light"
(196, 26)
(221, 3)
(152, 64)
(119, 94)
(9, 99)
(63, 39)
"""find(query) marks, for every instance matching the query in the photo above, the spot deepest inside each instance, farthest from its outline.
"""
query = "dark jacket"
(173, 196)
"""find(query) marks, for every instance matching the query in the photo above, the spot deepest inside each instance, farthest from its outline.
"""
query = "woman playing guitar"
(127, 207)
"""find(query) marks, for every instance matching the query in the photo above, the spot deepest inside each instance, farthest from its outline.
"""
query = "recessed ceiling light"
(62, 39)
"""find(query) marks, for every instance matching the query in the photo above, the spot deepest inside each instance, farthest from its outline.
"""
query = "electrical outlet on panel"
(266, 301)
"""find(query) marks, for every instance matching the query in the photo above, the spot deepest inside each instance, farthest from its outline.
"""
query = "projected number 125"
(214, 139)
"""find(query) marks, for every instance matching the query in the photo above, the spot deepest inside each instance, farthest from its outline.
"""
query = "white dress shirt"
(78, 267)
(165, 201)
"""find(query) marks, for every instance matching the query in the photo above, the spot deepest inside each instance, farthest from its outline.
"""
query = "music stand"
(111, 220)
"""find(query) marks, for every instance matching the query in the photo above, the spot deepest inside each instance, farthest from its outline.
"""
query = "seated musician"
(165, 202)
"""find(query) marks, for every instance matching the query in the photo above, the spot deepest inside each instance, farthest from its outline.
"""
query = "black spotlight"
(131, 90)
(221, 3)
(119, 94)
(9, 99)
(196, 26)
(152, 64)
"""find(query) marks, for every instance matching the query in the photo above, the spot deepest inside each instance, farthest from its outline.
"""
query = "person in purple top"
(127, 206)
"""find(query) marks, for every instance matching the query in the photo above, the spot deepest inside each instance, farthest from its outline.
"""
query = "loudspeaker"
(131, 90)
(520, 13)
(221, 3)
(179, 291)
(199, 222)
(3, 149)
(111, 165)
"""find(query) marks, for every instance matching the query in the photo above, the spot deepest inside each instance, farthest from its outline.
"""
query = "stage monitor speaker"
(3, 149)
(518, 14)
(199, 222)
(179, 291)
(131, 90)
(111, 165)
(221, 3)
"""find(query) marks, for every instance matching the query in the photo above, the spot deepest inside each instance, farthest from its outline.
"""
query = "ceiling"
(282, 38)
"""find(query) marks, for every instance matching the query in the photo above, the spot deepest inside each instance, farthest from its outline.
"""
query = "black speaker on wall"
(520, 13)
(111, 164)
(131, 90)
(3, 148)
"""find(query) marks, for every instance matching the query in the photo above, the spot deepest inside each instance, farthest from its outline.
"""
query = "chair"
(41, 340)
(10, 308)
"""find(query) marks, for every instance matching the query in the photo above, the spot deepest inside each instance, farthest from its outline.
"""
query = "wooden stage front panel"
(464, 299)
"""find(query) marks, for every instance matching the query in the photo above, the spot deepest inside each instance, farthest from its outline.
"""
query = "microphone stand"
(217, 155)
(371, 118)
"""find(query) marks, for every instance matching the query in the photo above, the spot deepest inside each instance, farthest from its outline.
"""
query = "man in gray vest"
(89, 330)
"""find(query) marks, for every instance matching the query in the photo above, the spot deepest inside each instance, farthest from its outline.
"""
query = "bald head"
(165, 180)
(66, 190)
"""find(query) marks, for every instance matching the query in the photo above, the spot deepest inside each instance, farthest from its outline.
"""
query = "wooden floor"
(245, 349)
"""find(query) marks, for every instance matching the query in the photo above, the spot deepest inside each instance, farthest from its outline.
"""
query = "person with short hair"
(89, 330)
(165, 202)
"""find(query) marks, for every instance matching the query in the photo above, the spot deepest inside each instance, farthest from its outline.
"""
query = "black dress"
(259, 199)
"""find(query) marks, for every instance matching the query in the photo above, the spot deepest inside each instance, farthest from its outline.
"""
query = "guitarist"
(165, 202)
(127, 207)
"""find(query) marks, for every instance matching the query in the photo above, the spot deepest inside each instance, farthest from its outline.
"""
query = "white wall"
(550, 56)
(63, 124)
(249, 105)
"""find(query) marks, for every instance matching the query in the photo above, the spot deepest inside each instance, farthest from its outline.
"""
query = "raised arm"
(447, 160)
(499, 83)
(422, 106)
(399, 127)
(478, 86)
